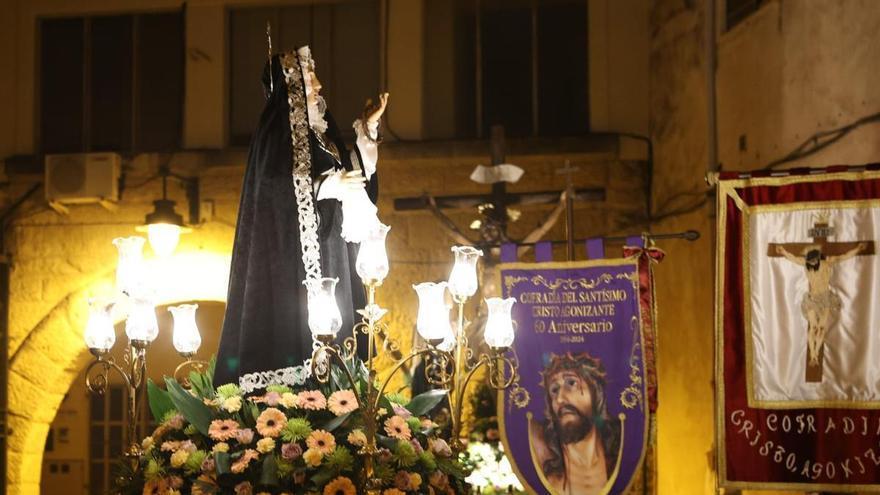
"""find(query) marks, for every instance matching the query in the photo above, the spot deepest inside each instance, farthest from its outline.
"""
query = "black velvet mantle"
(265, 327)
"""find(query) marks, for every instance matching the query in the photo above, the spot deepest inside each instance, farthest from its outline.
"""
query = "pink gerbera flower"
(342, 402)
(222, 430)
(311, 399)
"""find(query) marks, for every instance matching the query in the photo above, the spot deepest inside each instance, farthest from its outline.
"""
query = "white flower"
(232, 404)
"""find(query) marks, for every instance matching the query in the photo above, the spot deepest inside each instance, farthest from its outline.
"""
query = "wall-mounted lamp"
(164, 225)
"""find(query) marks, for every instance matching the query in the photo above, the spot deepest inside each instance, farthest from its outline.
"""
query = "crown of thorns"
(581, 363)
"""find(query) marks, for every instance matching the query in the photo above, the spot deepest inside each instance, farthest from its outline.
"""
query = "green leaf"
(255, 412)
(196, 383)
(209, 373)
(269, 473)
(423, 403)
(323, 477)
(387, 442)
(192, 408)
(221, 462)
(335, 422)
(160, 401)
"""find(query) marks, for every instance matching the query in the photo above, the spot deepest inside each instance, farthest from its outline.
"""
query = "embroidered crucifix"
(820, 305)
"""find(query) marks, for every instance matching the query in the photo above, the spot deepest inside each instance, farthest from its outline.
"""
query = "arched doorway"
(53, 356)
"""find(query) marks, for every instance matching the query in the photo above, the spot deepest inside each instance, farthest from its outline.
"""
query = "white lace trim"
(302, 173)
(292, 376)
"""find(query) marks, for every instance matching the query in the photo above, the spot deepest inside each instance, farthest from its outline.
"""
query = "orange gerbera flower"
(322, 441)
(396, 427)
(242, 463)
(223, 429)
(340, 486)
(342, 402)
(156, 487)
(205, 485)
(271, 422)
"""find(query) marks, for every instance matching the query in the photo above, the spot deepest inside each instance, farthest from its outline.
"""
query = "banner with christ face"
(582, 381)
(798, 331)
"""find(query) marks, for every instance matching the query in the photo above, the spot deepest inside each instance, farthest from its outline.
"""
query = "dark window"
(61, 83)
(111, 83)
(518, 63)
(506, 36)
(108, 432)
(738, 10)
(344, 38)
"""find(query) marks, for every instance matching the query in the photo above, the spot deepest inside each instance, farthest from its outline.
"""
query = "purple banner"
(582, 426)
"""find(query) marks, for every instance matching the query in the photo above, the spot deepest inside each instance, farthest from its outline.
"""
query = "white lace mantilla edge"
(292, 376)
(302, 178)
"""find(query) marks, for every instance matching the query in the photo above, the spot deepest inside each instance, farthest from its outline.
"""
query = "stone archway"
(42, 369)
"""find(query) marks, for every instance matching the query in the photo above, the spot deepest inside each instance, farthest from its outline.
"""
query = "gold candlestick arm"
(502, 374)
(133, 379)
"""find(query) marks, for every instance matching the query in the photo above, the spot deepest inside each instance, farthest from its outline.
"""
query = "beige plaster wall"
(796, 68)
(684, 279)
(619, 48)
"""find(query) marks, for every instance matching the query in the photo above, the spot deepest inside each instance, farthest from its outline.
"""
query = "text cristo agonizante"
(557, 306)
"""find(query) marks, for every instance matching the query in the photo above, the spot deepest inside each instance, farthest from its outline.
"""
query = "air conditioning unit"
(82, 178)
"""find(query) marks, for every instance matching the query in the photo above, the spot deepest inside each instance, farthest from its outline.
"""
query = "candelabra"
(133, 301)
(447, 355)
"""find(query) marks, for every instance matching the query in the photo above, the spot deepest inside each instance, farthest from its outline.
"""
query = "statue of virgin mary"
(296, 222)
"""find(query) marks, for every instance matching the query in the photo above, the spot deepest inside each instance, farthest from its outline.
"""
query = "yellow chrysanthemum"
(313, 457)
(265, 445)
(357, 438)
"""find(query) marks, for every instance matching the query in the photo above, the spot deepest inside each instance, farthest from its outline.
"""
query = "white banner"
(814, 307)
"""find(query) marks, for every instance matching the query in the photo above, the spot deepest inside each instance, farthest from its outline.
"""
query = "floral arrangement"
(219, 441)
(492, 473)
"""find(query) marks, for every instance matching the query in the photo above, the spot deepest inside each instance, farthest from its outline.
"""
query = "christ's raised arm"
(790, 257)
(849, 254)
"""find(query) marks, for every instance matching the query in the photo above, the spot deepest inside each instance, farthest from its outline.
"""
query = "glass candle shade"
(130, 266)
(186, 338)
(463, 278)
(164, 238)
(100, 334)
(324, 316)
(372, 259)
(499, 324)
(433, 319)
(141, 324)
